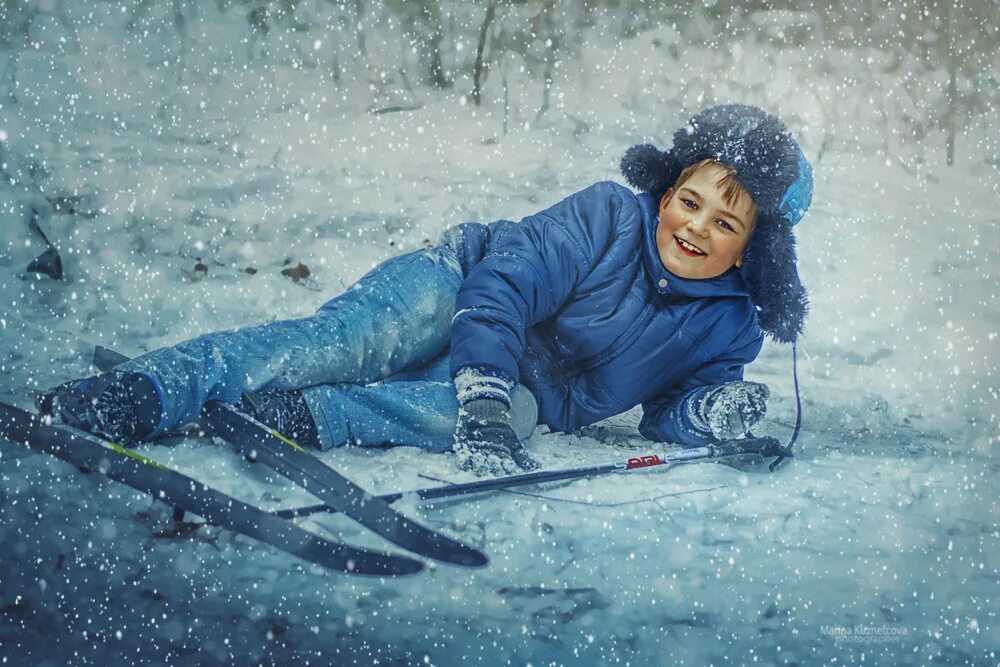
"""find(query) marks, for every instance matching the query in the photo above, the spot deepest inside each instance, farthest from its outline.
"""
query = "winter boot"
(121, 407)
(285, 411)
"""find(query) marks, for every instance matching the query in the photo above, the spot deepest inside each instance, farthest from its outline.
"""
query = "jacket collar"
(668, 284)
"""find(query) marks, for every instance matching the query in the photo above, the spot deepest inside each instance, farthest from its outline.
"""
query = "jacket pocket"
(618, 346)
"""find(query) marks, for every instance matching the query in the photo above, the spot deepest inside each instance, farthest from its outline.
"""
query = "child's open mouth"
(687, 248)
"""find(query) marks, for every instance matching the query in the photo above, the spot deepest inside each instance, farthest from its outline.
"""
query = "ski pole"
(105, 359)
(763, 446)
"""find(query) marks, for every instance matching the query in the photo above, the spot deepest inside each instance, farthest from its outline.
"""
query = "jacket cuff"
(688, 420)
(693, 412)
(483, 382)
(487, 410)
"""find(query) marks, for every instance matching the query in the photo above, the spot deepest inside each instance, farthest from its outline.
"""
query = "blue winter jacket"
(575, 304)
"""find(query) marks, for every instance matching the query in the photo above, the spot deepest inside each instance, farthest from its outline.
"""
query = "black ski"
(265, 445)
(182, 492)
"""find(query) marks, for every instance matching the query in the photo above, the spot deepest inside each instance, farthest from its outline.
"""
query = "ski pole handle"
(762, 446)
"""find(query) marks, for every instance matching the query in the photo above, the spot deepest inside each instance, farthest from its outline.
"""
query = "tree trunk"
(477, 70)
(952, 87)
(549, 33)
(359, 15)
(436, 73)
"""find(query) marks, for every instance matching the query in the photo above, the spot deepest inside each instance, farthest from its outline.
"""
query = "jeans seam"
(323, 422)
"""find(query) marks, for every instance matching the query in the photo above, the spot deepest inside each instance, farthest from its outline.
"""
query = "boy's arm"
(679, 415)
(525, 279)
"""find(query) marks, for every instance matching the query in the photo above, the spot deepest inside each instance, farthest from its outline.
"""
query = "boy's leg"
(397, 315)
(417, 408)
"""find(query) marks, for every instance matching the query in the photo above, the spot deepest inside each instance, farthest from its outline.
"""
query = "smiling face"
(706, 220)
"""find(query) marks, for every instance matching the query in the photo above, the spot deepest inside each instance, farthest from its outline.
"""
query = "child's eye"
(690, 204)
(726, 225)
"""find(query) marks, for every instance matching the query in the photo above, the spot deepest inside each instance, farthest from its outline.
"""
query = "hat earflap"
(647, 168)
(773, 281)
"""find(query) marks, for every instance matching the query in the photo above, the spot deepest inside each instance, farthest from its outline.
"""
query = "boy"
(604, 301)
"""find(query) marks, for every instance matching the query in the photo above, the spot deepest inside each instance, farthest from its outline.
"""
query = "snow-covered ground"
(880, 543)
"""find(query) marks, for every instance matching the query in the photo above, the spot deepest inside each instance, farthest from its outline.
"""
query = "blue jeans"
(372, 363)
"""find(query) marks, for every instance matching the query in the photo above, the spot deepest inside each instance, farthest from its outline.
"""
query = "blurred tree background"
(926, 67)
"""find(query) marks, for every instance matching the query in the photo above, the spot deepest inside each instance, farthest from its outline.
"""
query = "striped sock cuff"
(478, 382)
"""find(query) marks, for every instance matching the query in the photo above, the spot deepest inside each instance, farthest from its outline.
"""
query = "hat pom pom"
(648, 169)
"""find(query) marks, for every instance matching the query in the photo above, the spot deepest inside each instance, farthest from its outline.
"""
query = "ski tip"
(482, 561)
(453, 552)
(428, 543)
(105, 359)
(469, 557)
(383, 565)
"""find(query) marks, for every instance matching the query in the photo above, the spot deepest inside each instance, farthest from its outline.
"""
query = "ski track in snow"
(886, 521)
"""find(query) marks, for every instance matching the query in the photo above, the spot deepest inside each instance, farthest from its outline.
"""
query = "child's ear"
(666, 198)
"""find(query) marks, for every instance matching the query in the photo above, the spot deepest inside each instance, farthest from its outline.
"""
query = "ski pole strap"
(798, 414)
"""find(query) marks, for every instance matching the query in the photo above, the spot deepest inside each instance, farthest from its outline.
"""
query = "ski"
(760, 446)
(189, 495)
(265, 445)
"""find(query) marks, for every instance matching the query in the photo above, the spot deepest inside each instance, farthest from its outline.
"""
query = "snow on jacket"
(575, 304)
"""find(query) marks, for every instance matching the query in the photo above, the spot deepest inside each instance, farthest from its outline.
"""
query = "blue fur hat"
(773, 170)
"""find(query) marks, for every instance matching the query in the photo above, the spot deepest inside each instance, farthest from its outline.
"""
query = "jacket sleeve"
(528, 275)
(666, 418)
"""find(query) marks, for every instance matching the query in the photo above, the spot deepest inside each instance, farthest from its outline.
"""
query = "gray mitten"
(485, 441)
(729, 410)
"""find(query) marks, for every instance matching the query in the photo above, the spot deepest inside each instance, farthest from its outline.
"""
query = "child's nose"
(697, 224)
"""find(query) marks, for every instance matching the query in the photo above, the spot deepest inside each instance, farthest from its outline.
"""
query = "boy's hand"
(732, 409)
(485, 442)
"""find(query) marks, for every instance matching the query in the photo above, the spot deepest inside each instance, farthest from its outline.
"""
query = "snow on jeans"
(372, 362)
